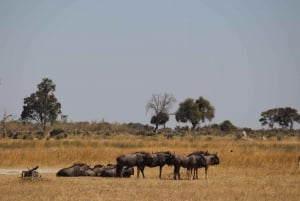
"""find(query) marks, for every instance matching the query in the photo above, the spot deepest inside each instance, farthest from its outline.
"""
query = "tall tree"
(287, 116)
(42, 106)
(268, 117)
(160, 104)
(195, 111)
(188, 111)
(207, 111)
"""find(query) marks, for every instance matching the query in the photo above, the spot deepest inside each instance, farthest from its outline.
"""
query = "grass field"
(249, 170)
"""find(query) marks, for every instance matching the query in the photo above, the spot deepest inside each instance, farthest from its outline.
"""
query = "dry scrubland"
(254, 170)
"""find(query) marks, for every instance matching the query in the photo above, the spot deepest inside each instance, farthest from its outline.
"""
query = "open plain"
(248, 170)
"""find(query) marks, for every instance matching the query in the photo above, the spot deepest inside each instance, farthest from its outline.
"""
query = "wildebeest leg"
(142, 171)
(138, 172)
(160, 169)
(176, 172)
(206, 172)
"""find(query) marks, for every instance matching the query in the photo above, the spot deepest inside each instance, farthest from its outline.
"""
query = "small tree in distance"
(42, 106)
(159, 105)
(284, 117)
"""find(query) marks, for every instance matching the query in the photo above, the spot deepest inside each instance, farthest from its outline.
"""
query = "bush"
(57, 132)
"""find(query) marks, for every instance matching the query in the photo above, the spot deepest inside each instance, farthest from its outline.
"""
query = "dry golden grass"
(254, 170)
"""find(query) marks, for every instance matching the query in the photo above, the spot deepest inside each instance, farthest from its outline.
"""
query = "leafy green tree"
(188, 111)
(269, 117)
(284, 117)
(207, 111)
(160, 119)
(287, 116)
(42, 106)
(195, 111)
(159, 105)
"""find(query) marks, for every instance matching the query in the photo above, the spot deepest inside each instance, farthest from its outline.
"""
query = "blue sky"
(108, 57)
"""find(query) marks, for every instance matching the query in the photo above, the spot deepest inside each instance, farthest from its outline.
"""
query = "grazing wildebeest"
(299, 161)
(211, 159)
(160, 159)
(77, 169)
(138, 159)
(31, 173)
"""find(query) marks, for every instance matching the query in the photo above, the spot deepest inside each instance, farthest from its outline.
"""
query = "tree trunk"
(156, 128)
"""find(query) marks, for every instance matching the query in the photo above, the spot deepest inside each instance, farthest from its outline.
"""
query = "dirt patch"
(14, 171)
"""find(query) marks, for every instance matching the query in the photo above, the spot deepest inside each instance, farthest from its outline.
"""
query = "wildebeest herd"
(125, 163)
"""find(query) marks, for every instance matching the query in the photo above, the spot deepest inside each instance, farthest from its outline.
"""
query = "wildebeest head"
(169, 158)
(213, 159)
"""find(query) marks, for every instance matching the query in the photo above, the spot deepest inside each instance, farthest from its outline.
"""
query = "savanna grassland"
(248, 170)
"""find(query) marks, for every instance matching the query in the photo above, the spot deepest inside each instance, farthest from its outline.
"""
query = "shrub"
(56, 131)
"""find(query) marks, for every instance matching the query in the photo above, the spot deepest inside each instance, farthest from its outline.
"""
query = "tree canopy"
(284, 117)
(194, 111)
(42, 106)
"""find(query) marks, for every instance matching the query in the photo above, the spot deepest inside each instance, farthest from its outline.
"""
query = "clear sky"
(107, 58)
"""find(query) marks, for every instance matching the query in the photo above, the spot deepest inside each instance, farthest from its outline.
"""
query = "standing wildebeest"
(160, 159)
(181, 161)
(78, 169)
(210, 159)
(197, 161)
(138, 159)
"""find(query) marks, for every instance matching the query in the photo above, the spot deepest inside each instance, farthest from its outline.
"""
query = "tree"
(287, 116)
(188, 111)
(207, 111)
(195, 111)
(160, 119)
(269, 117)
(159, 105)
(284, 117)
(42, 106)
(227, 126)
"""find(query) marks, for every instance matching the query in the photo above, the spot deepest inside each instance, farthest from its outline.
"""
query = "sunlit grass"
(249, 170)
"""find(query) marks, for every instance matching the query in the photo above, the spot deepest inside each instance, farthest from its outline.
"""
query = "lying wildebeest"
(77, 169)
(31, 173)
(160, 159)
(210, 159)
(111, 171)
(138, 159)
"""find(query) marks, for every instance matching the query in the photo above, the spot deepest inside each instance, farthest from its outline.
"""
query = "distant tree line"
(43, 107)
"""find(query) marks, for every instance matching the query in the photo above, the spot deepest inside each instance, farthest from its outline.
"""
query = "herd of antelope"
(125, 164)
